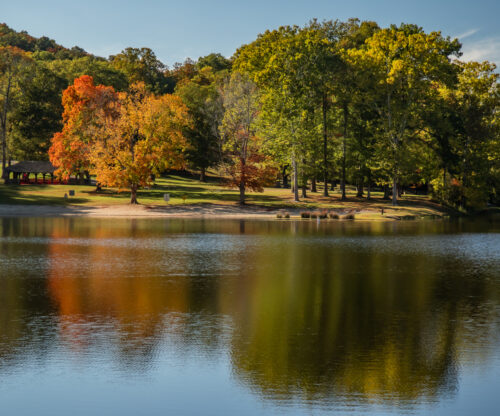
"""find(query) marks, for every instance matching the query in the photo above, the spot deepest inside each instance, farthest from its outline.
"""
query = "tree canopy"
(331, 101)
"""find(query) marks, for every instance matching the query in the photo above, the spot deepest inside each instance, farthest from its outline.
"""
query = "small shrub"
(314, 215)
(349, 216)
(305, 214)
(287, 215)
(279, 216)
(323, 215)
(333, 215)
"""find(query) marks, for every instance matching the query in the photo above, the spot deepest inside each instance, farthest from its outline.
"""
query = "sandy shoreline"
(139, 211)
(186, 211)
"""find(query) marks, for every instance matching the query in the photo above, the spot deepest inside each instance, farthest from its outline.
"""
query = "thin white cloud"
(487, 49)
(467, 34)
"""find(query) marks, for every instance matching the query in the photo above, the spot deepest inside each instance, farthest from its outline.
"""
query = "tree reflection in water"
(362, 313)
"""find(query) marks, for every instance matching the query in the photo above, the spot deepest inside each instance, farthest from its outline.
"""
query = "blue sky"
(192, 28)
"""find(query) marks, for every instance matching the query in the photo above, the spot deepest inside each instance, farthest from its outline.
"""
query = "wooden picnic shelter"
(20, 172)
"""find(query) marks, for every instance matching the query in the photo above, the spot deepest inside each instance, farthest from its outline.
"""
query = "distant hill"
(40, 46)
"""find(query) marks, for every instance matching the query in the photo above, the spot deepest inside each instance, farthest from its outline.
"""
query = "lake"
(246, 317)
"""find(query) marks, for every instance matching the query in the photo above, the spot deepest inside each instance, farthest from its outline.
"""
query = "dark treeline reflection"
(311, 312)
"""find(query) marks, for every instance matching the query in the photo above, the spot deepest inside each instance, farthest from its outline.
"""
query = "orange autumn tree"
(82, 102)
(141, 141)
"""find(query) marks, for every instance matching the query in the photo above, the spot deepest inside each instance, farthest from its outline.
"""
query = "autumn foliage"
(122, 138)
(83, 102)
(248, 167)
(145, 138)
(253, 173)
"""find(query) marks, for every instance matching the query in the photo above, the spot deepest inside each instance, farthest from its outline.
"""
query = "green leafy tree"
(36, 114)
(400, 66)
(13, 62)
(215, 61)
(247, 166)
(347, 92)
(476, 101)
(142, 65)
(278, 64)
(202, 96)
(102, 71)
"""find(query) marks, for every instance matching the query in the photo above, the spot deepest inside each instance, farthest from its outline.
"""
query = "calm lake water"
(230, 317)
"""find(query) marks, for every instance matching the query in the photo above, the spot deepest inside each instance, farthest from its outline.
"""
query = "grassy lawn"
(188, 191)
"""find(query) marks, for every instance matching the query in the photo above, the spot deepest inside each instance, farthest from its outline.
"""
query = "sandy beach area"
(140, 211)
(197, 211)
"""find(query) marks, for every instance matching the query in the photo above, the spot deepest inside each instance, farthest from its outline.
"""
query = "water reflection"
(318, 314)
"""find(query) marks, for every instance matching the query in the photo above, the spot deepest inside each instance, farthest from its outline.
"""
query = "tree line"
(330, 102)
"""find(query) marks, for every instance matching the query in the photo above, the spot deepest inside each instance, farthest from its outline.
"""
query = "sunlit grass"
(189, 191)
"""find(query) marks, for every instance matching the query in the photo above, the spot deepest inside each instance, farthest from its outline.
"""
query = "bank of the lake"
(210, 211)
(189, 197)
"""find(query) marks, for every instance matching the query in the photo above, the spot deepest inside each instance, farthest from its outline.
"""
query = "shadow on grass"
(189, 178)
(157, 194)
(417, 206)
(12, 195)
(195, 193)
(189, 192)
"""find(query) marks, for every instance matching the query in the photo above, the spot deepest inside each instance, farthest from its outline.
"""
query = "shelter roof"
(31, 166)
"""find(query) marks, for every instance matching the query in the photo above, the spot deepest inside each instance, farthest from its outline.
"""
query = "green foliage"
(331, 100)
(13, 64)
(474, 133)
(43, 46)
(202, 96)
(141, 65)
(247, 166)
(102, 71)
(36, 115)
(215, 61)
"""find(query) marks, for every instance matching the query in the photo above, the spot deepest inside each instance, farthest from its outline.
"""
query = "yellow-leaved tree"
(141, 141)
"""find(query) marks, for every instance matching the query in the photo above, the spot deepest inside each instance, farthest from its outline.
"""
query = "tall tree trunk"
(203, 174)
(242, 193)
(359, 194)
(369, 187)
(242, 184)
(4, 127)
(133, 194)
(465, 177)
(395, 190)
(344, 151)
(395, 142)
(285, 177)
(325, 147)
(304, 180)
(313, 185)
(295, 180)
(443, 192)
(386, 192)
(4, 150)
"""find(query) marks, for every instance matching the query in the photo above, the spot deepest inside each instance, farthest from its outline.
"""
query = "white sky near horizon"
(177, 30)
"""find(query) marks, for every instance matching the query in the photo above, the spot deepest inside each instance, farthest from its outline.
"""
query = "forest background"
(329, 102)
